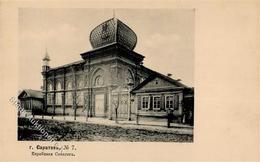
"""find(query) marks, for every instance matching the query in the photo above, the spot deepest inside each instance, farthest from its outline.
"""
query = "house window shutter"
(176, 102)
(139, 103)
(151, 103)
(162, 102)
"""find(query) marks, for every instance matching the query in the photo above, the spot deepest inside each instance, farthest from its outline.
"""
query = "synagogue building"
(111, 79)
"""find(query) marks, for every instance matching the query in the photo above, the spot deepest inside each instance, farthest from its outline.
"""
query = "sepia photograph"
(122, 80)
(110, 75)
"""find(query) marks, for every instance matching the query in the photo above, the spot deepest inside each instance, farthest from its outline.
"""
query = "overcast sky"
(165, 38)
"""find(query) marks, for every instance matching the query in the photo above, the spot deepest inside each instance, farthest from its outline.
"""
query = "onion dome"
(113, 31)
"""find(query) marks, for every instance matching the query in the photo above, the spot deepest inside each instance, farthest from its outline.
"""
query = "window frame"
(49, 99)
(58, 98)
(49, 87)
(69, 85)
(171, 95)
(69, 98)
(157, 108)
(148, 102)
(99, 81)
(58, 86)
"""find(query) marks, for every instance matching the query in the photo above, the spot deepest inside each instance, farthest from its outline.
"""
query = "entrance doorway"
(100, 105)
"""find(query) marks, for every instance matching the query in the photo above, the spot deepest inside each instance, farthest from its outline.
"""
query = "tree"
(115, 103)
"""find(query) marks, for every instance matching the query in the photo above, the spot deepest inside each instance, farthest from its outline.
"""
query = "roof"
(169, 79)
(69, 64)
(116, 48)
(113, 31)
(31, 93)
(153, 75)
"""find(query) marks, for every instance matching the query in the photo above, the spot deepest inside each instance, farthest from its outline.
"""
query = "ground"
(79, 131)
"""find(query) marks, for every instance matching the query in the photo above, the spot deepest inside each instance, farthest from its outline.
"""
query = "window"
(28, 107)
(169, 101)
(49, 87)
(99, 81)
(69, 85)
(49, 99)
(145, 102)
(156, 102)
(80, 83)
(58, 86)
(68, 98)
(156, 81)
(80, 98)
(58, 98)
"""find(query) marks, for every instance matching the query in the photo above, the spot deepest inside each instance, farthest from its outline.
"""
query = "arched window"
(98, 78)
(99, 81)
(69, 85)
(58, 85)
(49, 87)
(80, 82)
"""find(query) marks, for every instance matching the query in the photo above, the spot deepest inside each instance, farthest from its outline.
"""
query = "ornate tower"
(45, 68)
(46, 59)
(113, 44)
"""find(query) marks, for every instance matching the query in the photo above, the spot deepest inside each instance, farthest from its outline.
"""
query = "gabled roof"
(154, 75)
(31, 93)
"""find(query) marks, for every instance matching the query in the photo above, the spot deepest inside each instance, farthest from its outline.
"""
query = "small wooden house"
(31, 101)
(159, 94)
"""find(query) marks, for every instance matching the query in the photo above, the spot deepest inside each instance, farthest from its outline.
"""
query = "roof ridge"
(169, 78)
(65, 65)
(32, 90)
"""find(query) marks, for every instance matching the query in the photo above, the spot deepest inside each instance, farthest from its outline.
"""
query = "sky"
(164, 36)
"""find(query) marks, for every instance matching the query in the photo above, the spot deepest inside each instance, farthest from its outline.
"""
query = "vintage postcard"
(110, 87)
(126, 81)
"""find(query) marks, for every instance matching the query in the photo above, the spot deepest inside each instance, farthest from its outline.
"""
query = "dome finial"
(46, 56)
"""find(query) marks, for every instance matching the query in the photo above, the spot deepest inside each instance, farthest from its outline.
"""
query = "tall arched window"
(98, 78)
(80, 82)
(69, 84)
(49, 87)
(58, 85)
